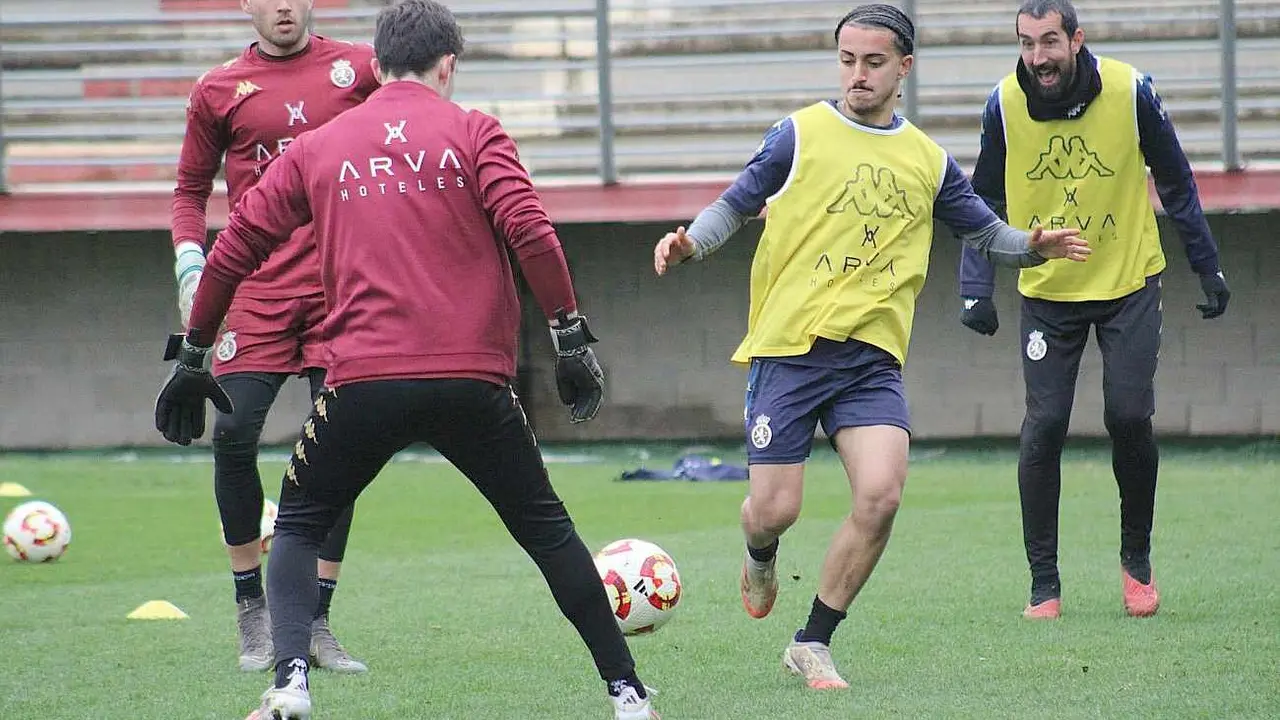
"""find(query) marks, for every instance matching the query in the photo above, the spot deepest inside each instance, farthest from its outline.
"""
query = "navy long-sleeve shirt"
(1158, 141)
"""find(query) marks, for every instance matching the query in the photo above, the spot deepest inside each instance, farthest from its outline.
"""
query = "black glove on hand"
(180, 405)
(1216, 295)
(579, 379)
(979, 315)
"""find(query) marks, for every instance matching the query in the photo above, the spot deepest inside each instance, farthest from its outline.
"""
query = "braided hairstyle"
(880, 15)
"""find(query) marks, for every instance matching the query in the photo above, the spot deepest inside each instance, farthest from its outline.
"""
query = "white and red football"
(642, 583)
(36, 531)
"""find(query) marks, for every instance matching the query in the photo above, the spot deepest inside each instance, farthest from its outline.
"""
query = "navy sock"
(764, 554)
(248, 584)
(822, 623)
(326, 588)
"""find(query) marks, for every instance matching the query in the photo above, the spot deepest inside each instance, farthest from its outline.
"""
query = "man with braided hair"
(853, 190)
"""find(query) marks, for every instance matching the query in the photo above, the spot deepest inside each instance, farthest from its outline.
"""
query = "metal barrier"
(4, 154)
(616, 112)
(1230, 113)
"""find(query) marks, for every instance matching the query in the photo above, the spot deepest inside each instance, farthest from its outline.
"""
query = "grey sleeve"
(1001, 244)
(997, 242)
(714, 225)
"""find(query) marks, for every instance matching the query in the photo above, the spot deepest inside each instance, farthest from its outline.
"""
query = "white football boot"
(291, 702)
(628, 705)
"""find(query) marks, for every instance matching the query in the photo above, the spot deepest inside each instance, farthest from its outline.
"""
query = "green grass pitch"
(455, 622)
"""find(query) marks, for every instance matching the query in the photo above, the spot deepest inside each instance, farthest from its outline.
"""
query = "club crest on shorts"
(1036, 346)
(342, 75)
(761, 433)
(226, 347)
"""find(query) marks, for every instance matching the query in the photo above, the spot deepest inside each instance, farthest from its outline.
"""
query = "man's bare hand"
(673, 249)
(1064, 243)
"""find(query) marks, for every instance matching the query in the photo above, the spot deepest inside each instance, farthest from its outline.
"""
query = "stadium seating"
(695, 83)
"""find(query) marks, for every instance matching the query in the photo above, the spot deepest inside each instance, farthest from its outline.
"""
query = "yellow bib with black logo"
(1086, 173)
(846, 240)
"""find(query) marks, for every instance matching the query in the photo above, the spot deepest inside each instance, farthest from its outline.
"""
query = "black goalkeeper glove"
(979, 315)
(579, 379)
(1216, 295)
(180, 405)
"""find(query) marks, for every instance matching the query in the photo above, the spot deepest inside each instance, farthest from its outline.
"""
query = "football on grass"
(36, 532)
(642, 583)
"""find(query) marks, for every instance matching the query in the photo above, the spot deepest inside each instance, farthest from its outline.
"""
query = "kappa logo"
(309, 430)
(322, 407)
(297, 674)
(1068, 158)
(300, 452)
(873, 192)
(761, 433)
(245, 87)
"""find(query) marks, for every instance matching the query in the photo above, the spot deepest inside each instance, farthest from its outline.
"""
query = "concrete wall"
(83, 320)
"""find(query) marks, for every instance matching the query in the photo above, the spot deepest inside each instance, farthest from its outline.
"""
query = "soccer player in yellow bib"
(852, 190)
(1066, 141)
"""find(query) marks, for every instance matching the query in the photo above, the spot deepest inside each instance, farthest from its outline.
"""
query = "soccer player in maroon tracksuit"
(250, 109)
(415, 202)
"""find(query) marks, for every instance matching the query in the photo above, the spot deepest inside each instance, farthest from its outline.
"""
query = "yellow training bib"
(846, 241)
(1086, 173)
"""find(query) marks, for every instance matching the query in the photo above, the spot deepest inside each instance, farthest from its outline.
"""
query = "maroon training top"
(415, 203)
(251, 108)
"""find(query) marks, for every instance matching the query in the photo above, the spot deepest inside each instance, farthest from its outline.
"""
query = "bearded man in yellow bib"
(1066, 141)
(853, 190)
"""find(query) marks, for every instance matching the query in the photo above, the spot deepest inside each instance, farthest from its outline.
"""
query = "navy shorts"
(785, 402)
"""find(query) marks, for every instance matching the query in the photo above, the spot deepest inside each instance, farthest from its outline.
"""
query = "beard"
(1057, 88)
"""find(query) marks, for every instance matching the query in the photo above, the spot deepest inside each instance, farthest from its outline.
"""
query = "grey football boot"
(257, 653)
(328, 653)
